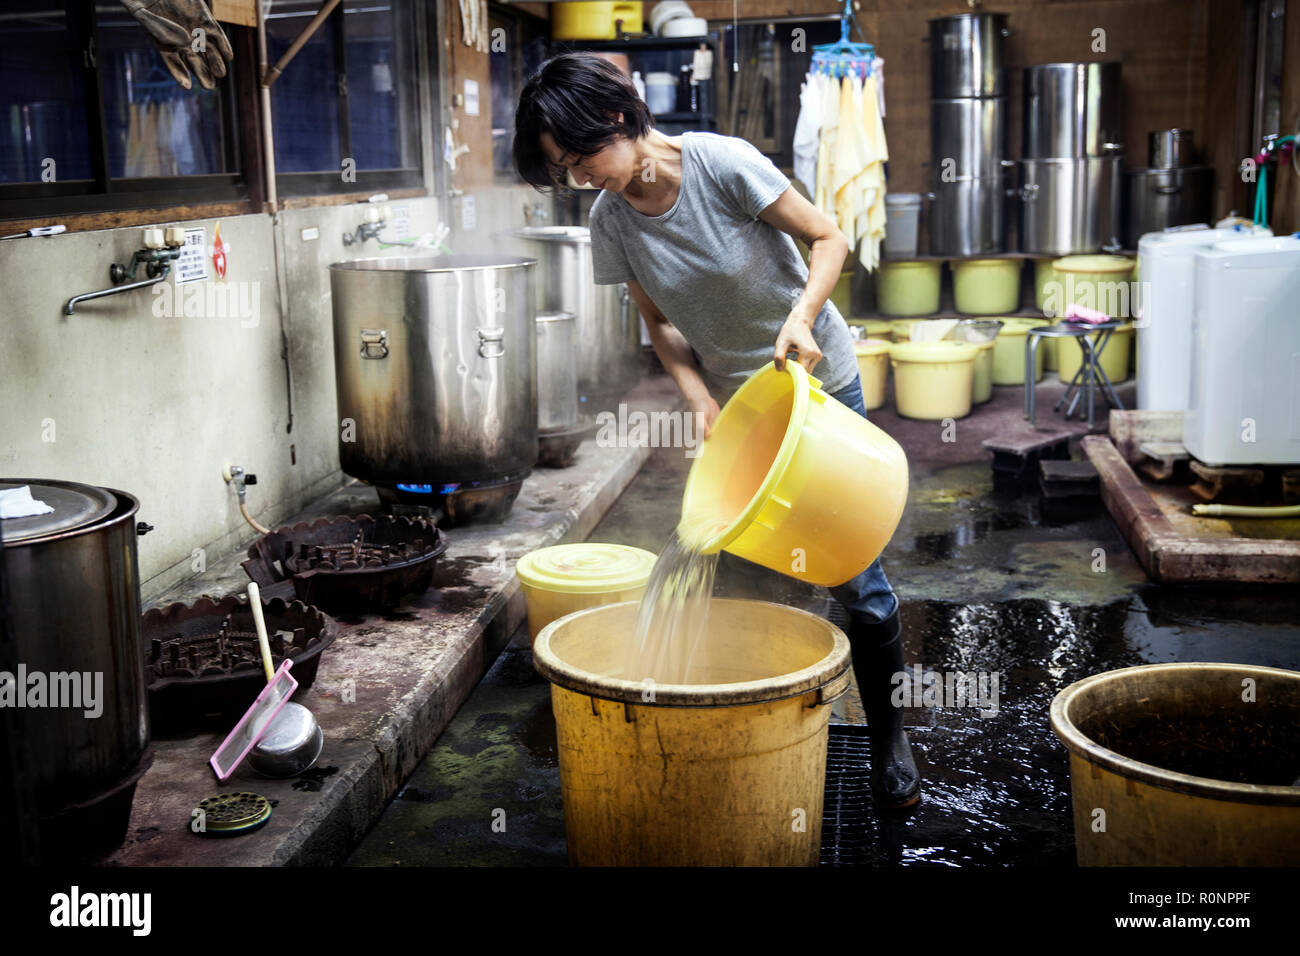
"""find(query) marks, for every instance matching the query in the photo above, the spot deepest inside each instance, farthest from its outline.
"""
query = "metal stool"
(1090, 374)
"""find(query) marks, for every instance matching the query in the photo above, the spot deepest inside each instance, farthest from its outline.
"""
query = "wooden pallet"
(1172, 557)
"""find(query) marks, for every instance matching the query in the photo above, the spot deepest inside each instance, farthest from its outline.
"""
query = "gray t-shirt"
(723, 277)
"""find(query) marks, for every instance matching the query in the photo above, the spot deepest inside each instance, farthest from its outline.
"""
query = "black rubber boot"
(877, 649)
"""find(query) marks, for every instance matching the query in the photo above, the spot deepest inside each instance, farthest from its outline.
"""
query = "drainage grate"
(848, 832)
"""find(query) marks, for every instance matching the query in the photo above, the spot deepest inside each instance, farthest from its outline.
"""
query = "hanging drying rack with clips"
(844, 57)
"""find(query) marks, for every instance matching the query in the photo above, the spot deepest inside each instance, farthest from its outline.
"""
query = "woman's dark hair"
(576, 97)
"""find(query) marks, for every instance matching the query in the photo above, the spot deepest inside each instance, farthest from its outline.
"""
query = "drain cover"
(229, 814)
(847, 829)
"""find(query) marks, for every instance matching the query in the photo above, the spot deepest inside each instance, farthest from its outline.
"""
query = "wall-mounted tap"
(376, 220)
(161, 248)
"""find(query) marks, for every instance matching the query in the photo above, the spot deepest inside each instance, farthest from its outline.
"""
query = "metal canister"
(557, 371)
(1155, 199)
(1072, 110)
(1170, 148)
(74, 586)
(966, 55)
(435, 363)
(1070, 205)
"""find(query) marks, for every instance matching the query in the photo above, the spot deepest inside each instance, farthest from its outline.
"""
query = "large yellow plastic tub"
(1009, 351)
(873, 369)
(1044, 277)
(1099, 282)
(729, 771)
(982, 381)
(842, 294)
(795, 481)
(571, 577)
(1114, 361)
(933, 380)
(594, 19)
(986, 286)
(874, 328)
(1185, 764)
(908, 287)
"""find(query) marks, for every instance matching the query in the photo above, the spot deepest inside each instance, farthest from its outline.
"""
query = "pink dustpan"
(255, 722)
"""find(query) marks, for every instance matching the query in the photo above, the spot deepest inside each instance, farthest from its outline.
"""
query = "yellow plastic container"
(795, 481)
(1044, 276)
(986, 286)
(570, 577)
(873, 369)
(1139, 736)
(1114, 361)
(841, 295)
(982, 383)
(729, 771)
(908, 287)
(594, 20)
(1097, 282)
(933, 380)
(1009, 351)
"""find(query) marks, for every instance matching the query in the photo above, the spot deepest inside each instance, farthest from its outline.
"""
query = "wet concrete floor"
(985, 584)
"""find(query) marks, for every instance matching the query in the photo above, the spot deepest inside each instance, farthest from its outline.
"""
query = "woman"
(699, 226)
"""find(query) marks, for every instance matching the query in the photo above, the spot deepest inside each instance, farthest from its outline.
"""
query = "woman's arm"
(675, 354)
(795, 215)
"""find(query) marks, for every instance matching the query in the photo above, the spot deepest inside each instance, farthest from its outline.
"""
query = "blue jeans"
(869, 592)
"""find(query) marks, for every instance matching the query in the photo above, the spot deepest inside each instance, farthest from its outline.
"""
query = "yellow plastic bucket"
(1154, 745)
(908, 288)
(982, 382)
(1099, 282)
(841, 295)
(1009, 351)
(873, 369)
(986, 286)
(594, 20)
(795, 481)
(570, 577)
(729, 771)
(1044, 276)
(1114, 361)
(933, 380)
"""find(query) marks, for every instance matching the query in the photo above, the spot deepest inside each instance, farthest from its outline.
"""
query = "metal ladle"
(294, 740)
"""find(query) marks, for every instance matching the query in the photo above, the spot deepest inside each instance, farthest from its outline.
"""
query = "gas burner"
(462, 503)
(204, 660)
(348, 563)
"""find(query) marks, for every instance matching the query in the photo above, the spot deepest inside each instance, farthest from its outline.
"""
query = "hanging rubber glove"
(187, 37)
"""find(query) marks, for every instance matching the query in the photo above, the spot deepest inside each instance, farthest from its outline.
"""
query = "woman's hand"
(796, 336)
(705, 406)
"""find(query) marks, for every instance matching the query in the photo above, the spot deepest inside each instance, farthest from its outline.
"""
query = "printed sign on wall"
(193, 262)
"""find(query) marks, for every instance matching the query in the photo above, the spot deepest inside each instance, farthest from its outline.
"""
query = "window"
(92, 119)
(345, 110)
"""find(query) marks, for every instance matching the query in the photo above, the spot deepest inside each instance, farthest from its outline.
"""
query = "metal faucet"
(160, 250)
(376, 220)
(536, 213)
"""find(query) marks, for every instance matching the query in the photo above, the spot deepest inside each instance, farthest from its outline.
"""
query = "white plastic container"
(1244, 399)
(902, 222)
(1166, 277)
(660, 92)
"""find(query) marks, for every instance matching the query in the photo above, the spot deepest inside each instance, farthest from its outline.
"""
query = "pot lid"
(586, 568)
(75, 506)
(556, 233)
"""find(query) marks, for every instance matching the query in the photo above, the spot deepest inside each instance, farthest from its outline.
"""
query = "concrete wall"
(127, 395)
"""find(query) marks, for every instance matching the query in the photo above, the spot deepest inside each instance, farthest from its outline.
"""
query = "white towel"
(807, 133)
(19, 503)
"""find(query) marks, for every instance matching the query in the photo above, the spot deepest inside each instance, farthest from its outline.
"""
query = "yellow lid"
(588, 568)
(941, 351)
(871, 347)
(1102, 264)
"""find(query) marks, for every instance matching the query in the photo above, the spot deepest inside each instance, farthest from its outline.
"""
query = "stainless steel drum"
(609, 340)
(1069, 206)
(435, 361)
(1072, 110)
(557, 371)
(1155, 199)
(971, 133)
(966, 55)
(1170, 148)
(74, 587)
(967, 217)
